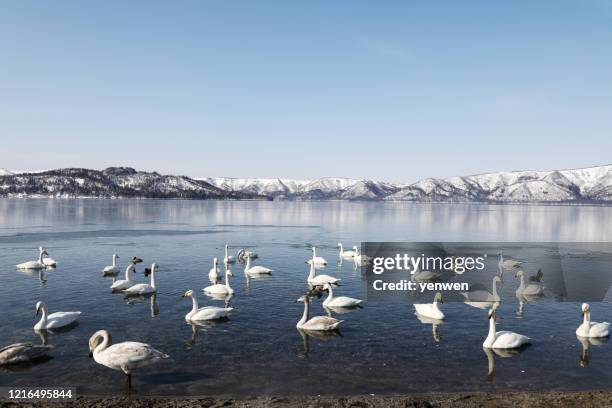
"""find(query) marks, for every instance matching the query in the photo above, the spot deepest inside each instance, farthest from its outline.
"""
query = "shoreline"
(599, 398)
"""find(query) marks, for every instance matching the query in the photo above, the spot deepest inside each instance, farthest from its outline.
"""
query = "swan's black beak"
(90, 354)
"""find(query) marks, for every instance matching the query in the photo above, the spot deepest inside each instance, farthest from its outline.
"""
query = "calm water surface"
(383, 348)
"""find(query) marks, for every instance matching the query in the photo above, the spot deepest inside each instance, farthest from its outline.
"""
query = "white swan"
(346, 254)
(592, 329)
(111, 269)
(318, 280)
(256, 270)
(424, 276)
(316, 323)
(47, 260)
(54, 320)
(221, 289)
(507, 263)
(340, 301)
(213, 274)
(34, 264)
(22, 353)
(532, 289)
(431, 310)
(228, 259)
(127, 356)
(144, 288)
(483, 299)
(360, 258)
(319, 260)
(502, 339)
(204, 313)
(122, 284)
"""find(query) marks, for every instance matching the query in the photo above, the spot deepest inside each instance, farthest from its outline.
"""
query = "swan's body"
(431, 310)
(340, 301)
(483, 299)
(22, 353)
(346, 254)
(591, 329)
(318, 260)
(319, 280)
(221, 289)
(198, 314)
(256, 270)
(126, 283)
(111, 269)
(213, 274)
(228, 259)
(317, 323)
(47, 260)
(144, 288)
(54, 320)
(502, 339)
(127, 356)
(532, 289)
(507, 263)
(34, 264)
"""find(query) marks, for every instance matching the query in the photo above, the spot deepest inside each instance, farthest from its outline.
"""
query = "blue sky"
(395, 90)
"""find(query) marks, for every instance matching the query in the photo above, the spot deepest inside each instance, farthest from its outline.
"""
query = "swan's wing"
(599, 329)
(321, 323)
(62, 318)
(133, 354)
(508, 339)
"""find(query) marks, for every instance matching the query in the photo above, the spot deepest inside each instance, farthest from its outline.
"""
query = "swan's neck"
(522, 283)
(587, 318)
(330, 295)
(305, 314)
(40, 257)
(341, 249)
(114, 260)
(491, 337)
(106, 340)
(495, 295)
(194, 300)
(45, 314)
(226, 251)
(153, 280)
(311, 275)
(129, 272)
(501, 257)
(248, 264)
(314, 253)
(227, 280)
(436, 306)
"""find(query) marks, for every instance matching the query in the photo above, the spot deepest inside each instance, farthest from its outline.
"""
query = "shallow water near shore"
(383, 347)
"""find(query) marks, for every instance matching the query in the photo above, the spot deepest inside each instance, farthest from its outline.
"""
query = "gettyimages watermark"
(487, 271)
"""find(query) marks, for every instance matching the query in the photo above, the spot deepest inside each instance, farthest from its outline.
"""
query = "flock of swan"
(129, 356)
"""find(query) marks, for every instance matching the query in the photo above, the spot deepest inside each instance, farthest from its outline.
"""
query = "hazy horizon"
(396, 92)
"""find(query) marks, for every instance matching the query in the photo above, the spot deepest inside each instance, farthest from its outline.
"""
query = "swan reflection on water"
(434, 325)
(522, 300)
(322, 336)
(151, 298)
(585, 356)
(503, 353)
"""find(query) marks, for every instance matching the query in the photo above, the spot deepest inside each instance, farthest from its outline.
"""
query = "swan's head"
(40, 249)
(229, 273)
(355, 247)
(39, 306)
(326, 286)
(491, 313)
(115, 256)
(43, 252)
(96, 339)
(518, 274)
(438, 297)
(339, 244)
(136, 260)
(188, 293)
(303, 299)
(585, 308)
(215, 260)
(498, 279)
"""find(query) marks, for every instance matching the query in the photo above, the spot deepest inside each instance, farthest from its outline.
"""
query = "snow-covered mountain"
(110, 183)
(327, 188)
(593, 184)
(5, 172)
(588, 185)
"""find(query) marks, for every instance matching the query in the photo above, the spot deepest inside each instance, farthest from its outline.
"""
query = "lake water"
(383, 348)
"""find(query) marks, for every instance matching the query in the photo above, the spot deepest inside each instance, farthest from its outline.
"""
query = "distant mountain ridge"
(579, 186)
